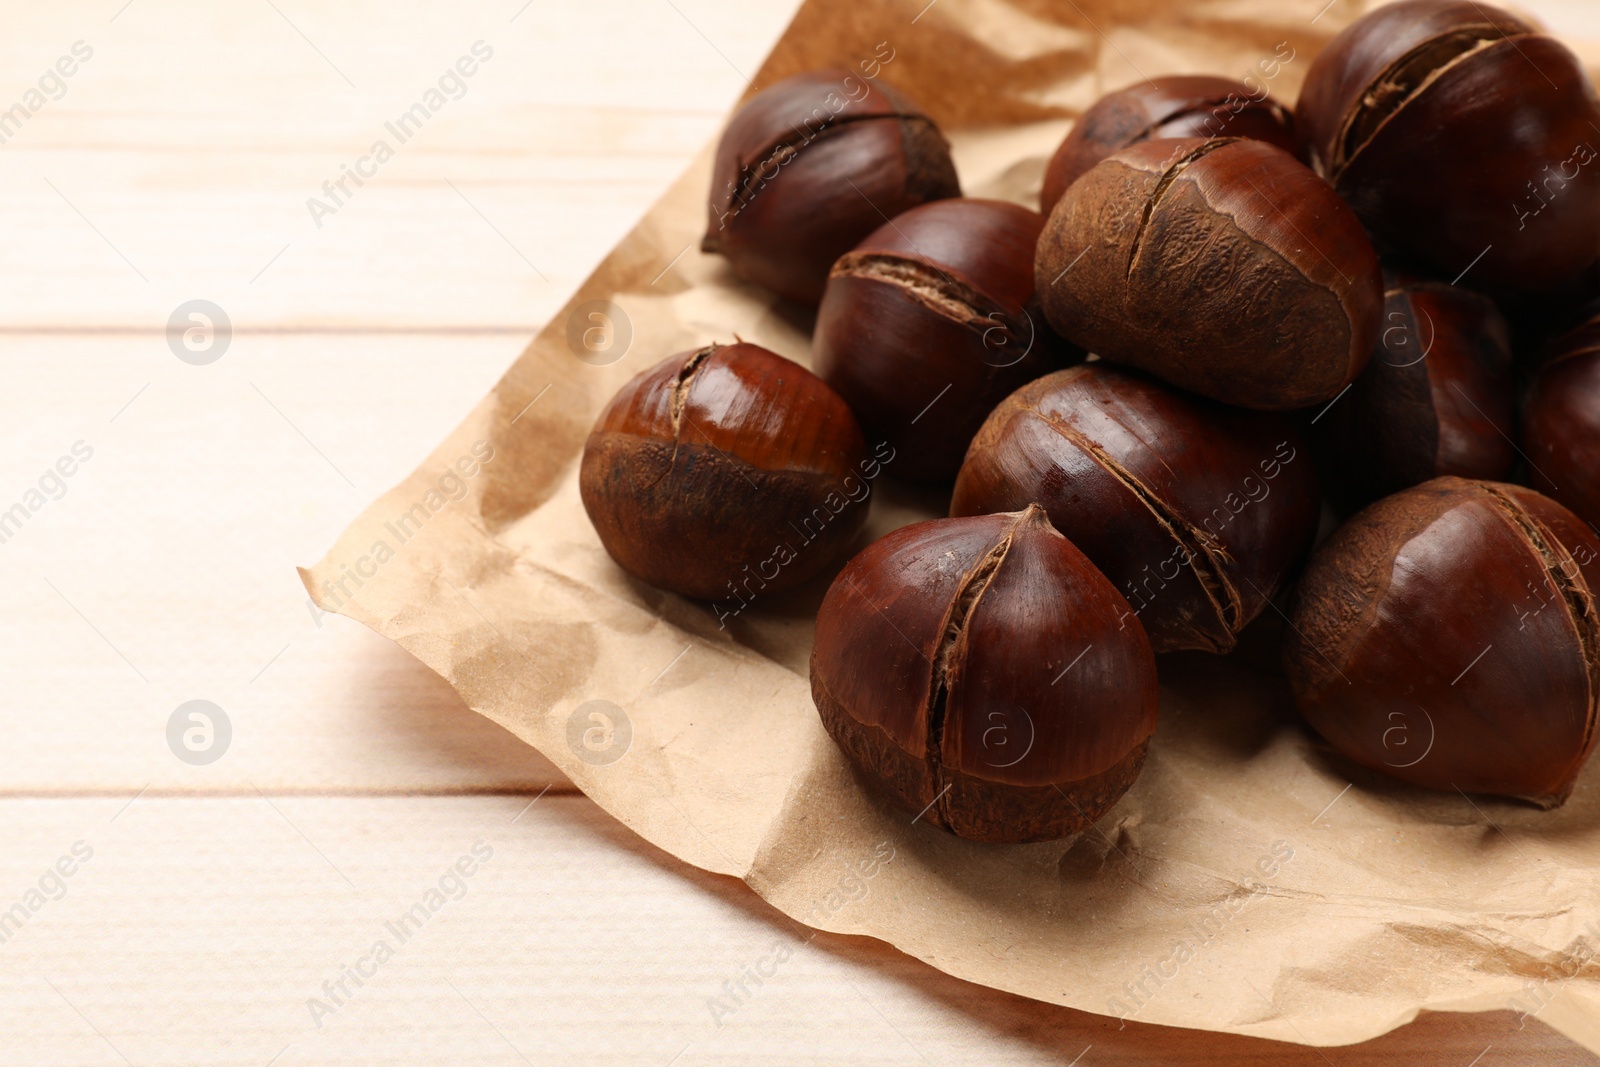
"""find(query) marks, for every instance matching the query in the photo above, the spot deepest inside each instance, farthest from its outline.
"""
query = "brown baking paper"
(1250, 882)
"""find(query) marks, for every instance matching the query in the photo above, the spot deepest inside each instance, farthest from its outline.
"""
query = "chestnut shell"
(1561, 422)
(796, 183)
(1437, 398)
(1444, 124)
(1180, 105)
(1195, 511)
(930, 322)
(979, 673)
(1224, 267)
(1448, 636)
(702, 469)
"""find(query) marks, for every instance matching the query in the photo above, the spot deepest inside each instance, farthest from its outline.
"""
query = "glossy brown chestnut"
(928, 323)
(810, 166)
(1438, 397)
(1223, 266)
(1173, 106)
(1561, 422)
(1458, 131)
(1448, 636)
(1195, 511)
(723, 467)
(978, 673)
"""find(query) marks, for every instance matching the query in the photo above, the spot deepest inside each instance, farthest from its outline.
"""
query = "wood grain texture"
(219, 898)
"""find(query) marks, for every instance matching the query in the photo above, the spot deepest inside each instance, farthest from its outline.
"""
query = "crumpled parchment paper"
(1251, 882)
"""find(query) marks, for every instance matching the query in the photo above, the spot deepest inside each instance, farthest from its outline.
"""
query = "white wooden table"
(216, 912)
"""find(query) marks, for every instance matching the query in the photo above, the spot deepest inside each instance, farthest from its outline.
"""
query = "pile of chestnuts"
(1233, 325)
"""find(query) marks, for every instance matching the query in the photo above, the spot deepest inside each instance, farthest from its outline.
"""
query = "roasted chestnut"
(1174, 106)
(981, 674)
(1437, 397)
(1462, 136)
(726, 472)
(928, 323)
(1195, 511)
(1448, 636)
(1561, 422)
(1223, 266)
(810, 166)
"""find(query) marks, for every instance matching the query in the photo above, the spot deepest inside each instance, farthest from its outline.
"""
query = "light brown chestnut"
(1448, 636)
(1224, 267)
(1180, 105)
(726, 472)
(981, 674)
(1195, 511)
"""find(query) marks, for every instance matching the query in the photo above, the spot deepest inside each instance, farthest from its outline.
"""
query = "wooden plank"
(200, 929)
(165, 571)
(144, 187)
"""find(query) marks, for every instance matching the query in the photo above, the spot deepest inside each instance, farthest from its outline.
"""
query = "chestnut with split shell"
(722, 463)
(1224, 267)
(983, 676)
(1195, 511)
(1178, 105)
(1463, 137)
(930, 322)
(810, 166)
(1448, 636)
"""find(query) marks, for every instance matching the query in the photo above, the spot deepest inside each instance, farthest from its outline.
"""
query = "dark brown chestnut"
(1174, 106)
(1223, 266)
(1448, 636)
(1462, 136)
(810, 166)
(1438, 397)
(928, 323)
(978, 673)
(1561, 422)
(723, 467)
(1195, 511)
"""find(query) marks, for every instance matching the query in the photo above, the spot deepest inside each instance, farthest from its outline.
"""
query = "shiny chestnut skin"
(928, 323)
(1195, 511)
(976, 672)
(1448, 636)
(1182, 105)
(1224, 267)
(1438, 397)
(810, 166)
(1457, 130)
(1561, 422)
(719, 464)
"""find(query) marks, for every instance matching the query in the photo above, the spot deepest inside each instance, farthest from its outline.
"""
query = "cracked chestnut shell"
(1447, 636)
(725, 472)
(1196, 512)
(1184, 105)
(978, 672)
(1561, 421)
(928, 323)
(1457, 130)
(1438, 397)
(810, 166)
(1224, 267)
